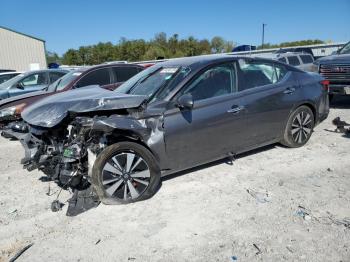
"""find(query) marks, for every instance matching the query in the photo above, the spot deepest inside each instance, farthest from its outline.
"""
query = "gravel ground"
(272, 204)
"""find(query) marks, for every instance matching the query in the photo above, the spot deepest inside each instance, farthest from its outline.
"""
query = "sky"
(68, 24)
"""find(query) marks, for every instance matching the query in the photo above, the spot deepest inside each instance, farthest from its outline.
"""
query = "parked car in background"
(307, 50)
(336, 69)
(244, 48)
(303, 61)
(108, 76)
(172, 116)
(6, 70)
(29, 82)
(7, 76)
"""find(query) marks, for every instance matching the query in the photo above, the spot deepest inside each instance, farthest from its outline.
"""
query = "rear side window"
(293, 60)
(125, 73)
(55, 75)
(98, 77)
(307, 59)
(282, 59)
(254, 74)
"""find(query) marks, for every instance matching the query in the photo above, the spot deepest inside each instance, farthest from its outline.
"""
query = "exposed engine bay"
(66, 155)
(62, 155)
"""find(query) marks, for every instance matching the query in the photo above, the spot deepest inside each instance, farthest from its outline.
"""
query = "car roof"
(205, 60)
(46, 70)
(10, 73)
(89, 68)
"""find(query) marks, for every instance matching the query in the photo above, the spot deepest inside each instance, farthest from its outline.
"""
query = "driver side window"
(216, 81)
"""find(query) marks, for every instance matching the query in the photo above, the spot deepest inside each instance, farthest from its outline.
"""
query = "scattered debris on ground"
(257, 248)
(204, 215)
(20, 252)
(342, 126)
(261, 197)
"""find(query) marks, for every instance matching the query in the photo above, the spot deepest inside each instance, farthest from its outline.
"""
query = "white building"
(21, 52)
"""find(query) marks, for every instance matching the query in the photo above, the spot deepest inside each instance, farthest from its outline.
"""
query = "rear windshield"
(64, 81)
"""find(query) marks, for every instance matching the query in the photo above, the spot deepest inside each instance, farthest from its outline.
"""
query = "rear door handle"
(289, 90)
(235, 109)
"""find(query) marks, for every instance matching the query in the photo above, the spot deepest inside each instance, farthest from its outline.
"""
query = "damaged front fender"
(147, 130)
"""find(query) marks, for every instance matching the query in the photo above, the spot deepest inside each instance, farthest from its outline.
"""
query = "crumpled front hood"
(50, 111)
(334, 59)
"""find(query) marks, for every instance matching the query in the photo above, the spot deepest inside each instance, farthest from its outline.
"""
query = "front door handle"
(289, 90)
(235, 109)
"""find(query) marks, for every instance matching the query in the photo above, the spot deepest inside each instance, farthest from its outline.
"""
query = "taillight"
(325, 84)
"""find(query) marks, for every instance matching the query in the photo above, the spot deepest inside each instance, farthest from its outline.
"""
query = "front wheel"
(299, 127)
(125, 172)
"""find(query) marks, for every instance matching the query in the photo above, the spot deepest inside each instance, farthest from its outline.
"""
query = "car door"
(269, 92)
(213, 127)
(33, 82)
(101, 77)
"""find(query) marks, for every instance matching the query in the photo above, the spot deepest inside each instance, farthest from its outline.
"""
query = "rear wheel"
(125, 172)
(299, 127)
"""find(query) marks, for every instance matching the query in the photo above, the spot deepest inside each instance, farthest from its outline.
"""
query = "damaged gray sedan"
(173, 116)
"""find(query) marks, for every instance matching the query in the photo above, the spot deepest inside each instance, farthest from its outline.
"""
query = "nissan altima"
(170, 117)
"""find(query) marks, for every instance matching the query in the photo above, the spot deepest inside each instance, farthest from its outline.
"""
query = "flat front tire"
(125, 172)
(299, 127)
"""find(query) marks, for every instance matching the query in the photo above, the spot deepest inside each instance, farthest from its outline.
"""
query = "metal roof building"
(20, 51)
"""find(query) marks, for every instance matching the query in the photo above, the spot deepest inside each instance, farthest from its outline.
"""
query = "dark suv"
(108, 76)
(336, 69)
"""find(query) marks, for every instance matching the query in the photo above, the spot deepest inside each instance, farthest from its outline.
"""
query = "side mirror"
(185, 101)
(20, 86)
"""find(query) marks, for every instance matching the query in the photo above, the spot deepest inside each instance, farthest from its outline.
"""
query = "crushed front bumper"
(14, 130)
(10, 134)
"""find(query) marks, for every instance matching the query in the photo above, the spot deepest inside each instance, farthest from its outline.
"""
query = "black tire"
(296, 134)
(101, 175)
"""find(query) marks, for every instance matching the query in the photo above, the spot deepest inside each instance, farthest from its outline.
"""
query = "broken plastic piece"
(82, 201)
(257, 248)
(56, 206)
(341, 126)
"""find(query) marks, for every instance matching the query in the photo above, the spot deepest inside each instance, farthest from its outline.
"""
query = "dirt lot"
(247, 211)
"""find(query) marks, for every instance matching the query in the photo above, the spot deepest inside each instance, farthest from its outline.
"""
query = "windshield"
(65, 80)
(345, 49)
(9, 83)
(151, 80)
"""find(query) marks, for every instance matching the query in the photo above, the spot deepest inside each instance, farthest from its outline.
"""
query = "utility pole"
(263, 35)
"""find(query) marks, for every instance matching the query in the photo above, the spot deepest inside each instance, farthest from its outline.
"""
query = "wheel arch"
(310, 105)
(119, 135)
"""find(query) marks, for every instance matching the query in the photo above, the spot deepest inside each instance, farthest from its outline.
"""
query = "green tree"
(52, 57)
(72, 57)
(217, 44)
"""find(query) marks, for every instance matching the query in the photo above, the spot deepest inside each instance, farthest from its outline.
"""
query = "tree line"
(160, 46)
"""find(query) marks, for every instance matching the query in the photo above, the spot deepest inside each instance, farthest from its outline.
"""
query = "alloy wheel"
(301, 127)
(125, 176)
